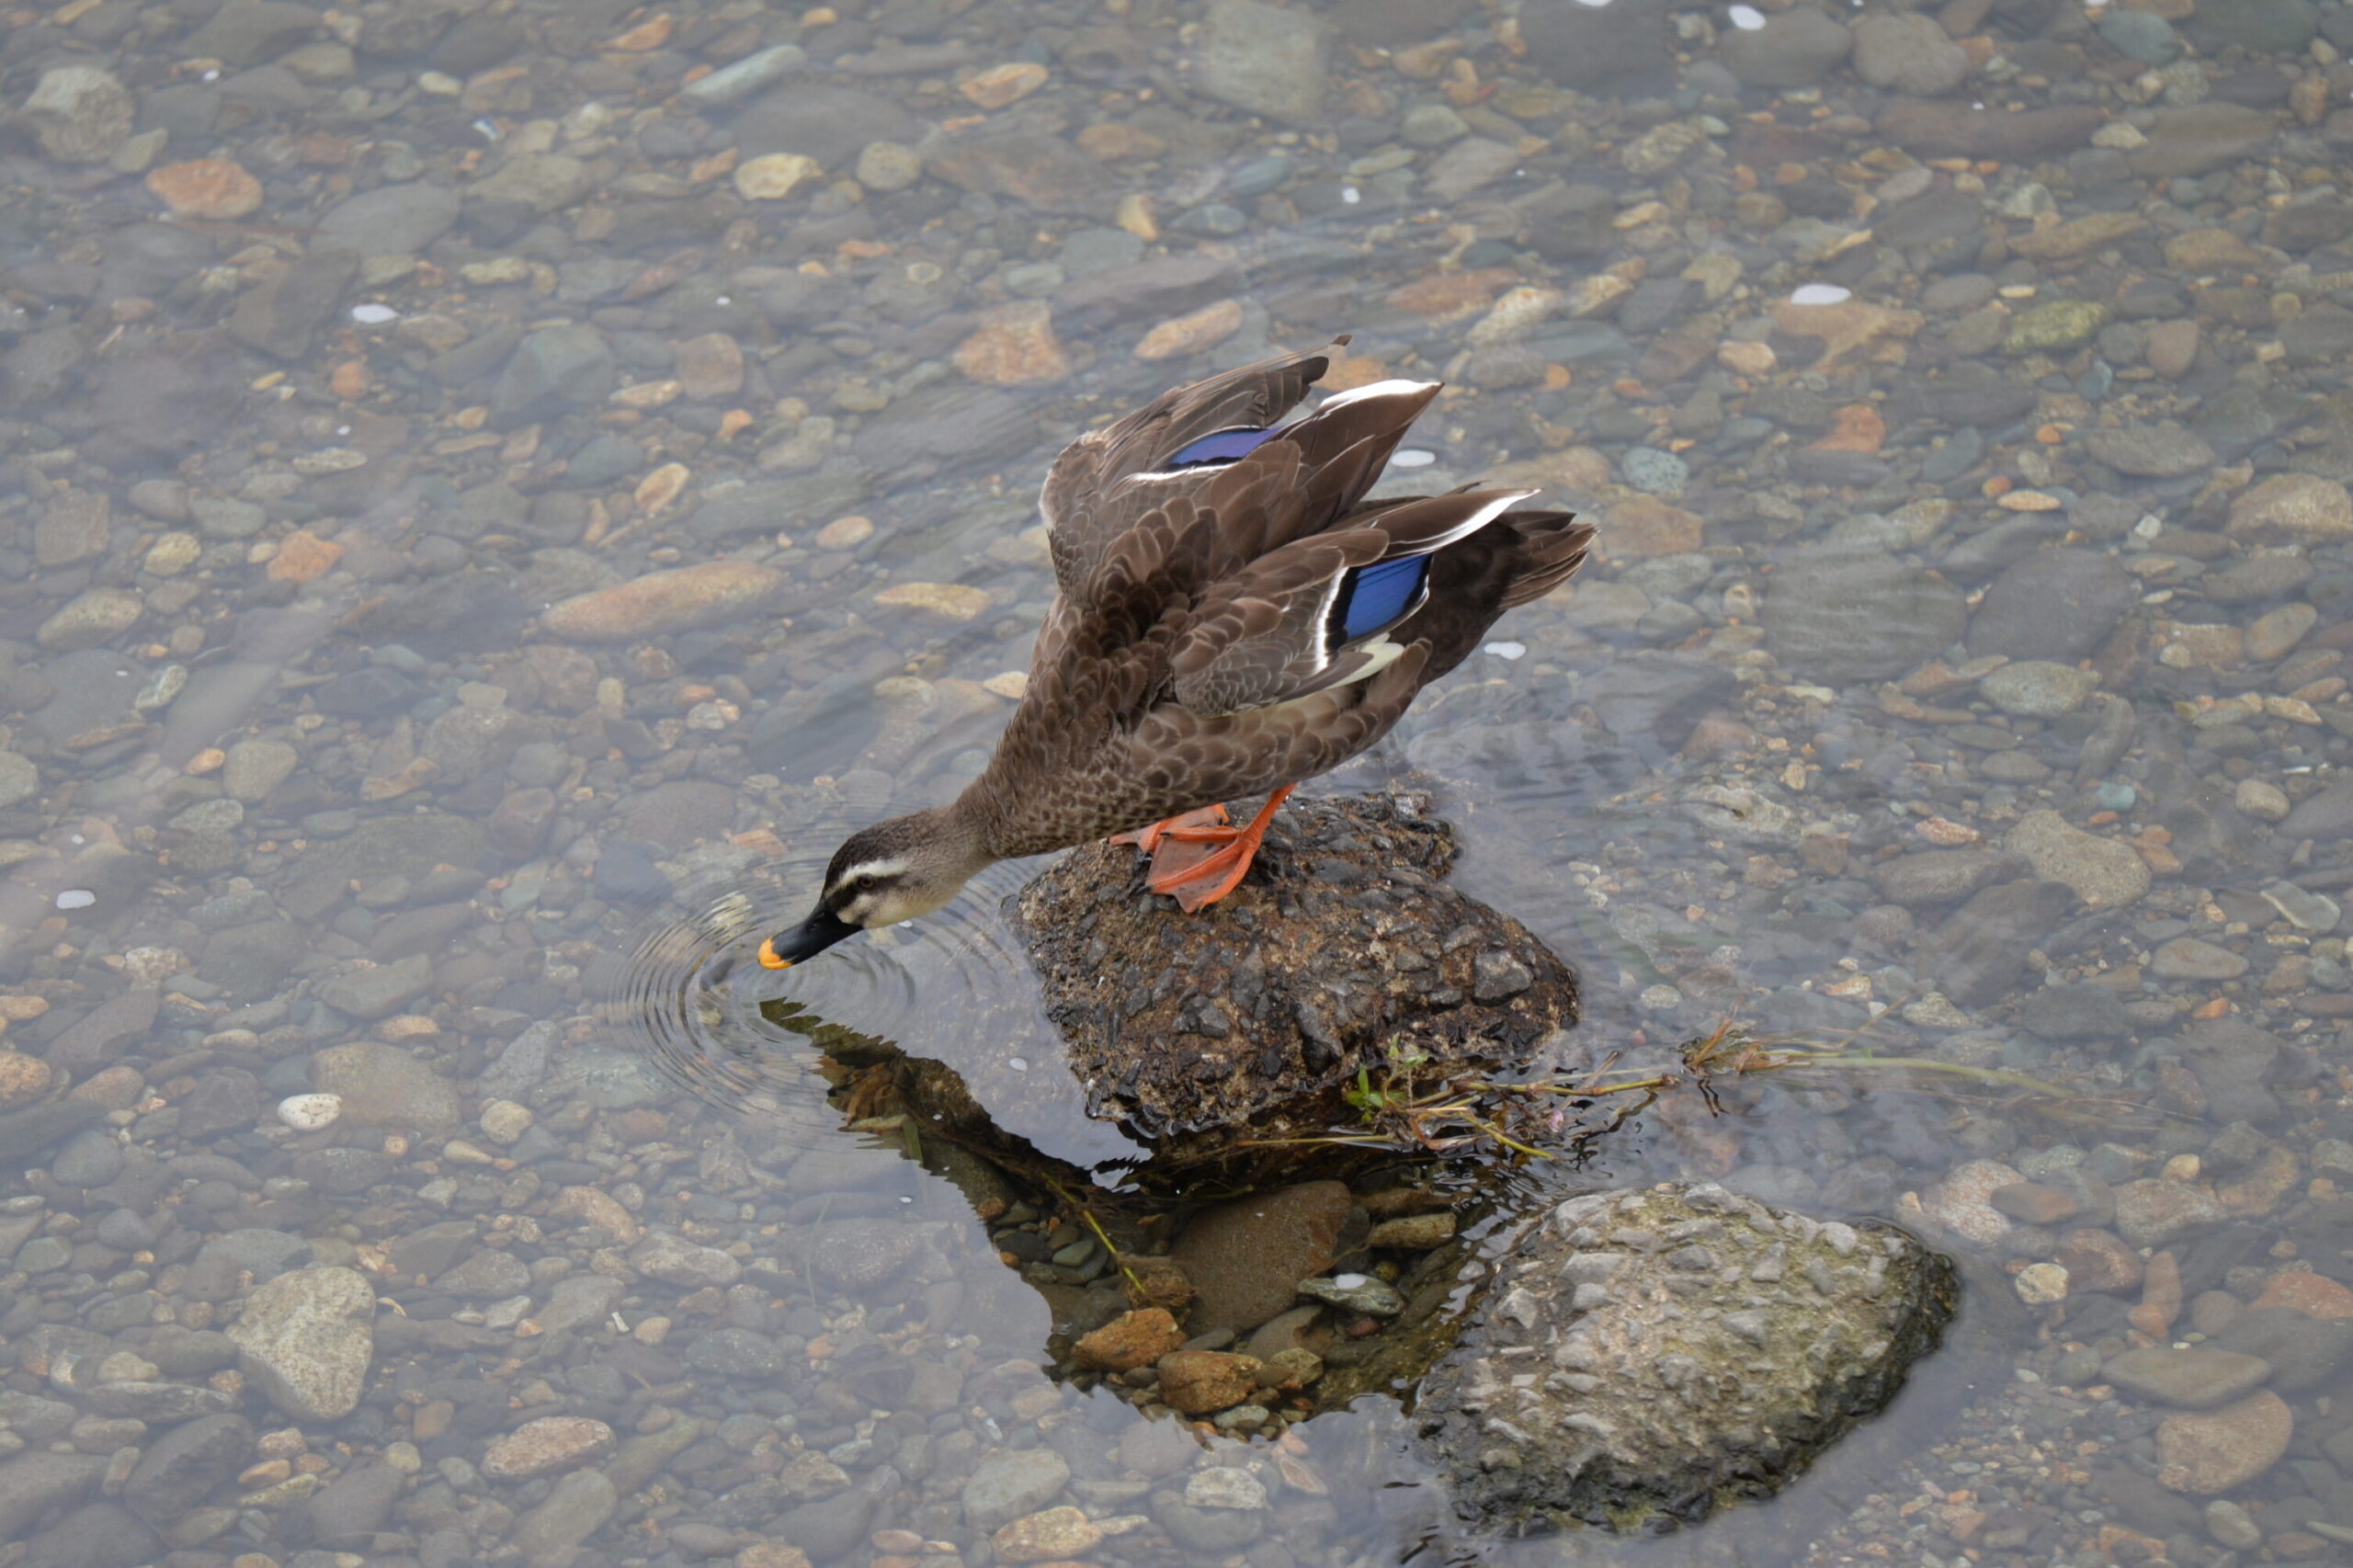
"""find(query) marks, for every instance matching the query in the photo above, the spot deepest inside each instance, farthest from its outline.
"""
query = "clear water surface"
(1961, 396)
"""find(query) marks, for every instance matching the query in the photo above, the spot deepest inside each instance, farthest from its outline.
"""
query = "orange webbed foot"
(1198, 858)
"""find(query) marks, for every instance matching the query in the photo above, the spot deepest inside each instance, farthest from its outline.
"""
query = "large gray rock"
(97, 1535)
(553, 369)
(381, 991)
(1842, 614)
(817, 120)
(279, 315)
(1006, 1485)
(1908, 52)
(2056, 604)
(246, 32)
(80, 113)
(1792, 49)
(305, 1339)
(179, 1468)
(577, 1507)
(1617, 50)
(1262, 59)
(33, 1483)
(1689, 1347)
(1978, 955)
(392, 220)
(1251, 1017)
(383, 1085)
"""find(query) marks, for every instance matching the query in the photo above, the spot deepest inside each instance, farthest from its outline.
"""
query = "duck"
(1232, 617)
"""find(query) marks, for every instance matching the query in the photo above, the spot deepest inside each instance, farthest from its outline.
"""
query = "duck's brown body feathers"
(1194, 654)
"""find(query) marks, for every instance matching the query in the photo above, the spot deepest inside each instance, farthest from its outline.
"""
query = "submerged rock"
(1249, 1019)
(1642, 1356)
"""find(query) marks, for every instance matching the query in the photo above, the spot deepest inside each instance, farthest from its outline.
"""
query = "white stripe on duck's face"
(883, 892)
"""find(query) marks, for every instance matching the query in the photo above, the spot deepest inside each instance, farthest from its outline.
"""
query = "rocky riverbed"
(476, 477)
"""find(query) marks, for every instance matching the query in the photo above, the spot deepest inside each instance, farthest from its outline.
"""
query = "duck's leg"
(1199, 863)
(1148, 839)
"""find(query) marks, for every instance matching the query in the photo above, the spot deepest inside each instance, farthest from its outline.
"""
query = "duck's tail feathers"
(1552, 545)
(1349, 438)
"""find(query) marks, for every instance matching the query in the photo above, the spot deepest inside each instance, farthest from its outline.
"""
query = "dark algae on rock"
(1250, 1020)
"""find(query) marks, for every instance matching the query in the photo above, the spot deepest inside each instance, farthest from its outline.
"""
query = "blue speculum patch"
(1220, 447)
(1379, 595)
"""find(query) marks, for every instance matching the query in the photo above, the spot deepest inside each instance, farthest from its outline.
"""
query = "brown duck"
(1233, 617)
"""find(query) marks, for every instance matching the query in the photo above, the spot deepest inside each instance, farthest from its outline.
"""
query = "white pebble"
(1413, 457)
(1350, 195)
(1747, 18)
(308, 1113)
(76, 898)
(1593, 4)
(1018, 1064)
(1508, 650)
(1348, 1281)
(1820, 294)
(374, 315)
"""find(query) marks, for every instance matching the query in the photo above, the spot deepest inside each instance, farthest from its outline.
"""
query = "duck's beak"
(806, 940)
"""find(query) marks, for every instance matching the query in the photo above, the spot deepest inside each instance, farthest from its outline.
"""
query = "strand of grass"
(2000, 1077)
(1800, 1059)
(1102, 1237)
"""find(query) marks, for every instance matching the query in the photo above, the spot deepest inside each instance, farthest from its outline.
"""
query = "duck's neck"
(983, 820)
(966, 831)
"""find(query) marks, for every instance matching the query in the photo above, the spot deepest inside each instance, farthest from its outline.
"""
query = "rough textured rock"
(305, 1339)
(384, 1086)
(1696, 1347)
(1256, 1013)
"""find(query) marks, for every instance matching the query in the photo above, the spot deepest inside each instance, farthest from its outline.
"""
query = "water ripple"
(692, 999)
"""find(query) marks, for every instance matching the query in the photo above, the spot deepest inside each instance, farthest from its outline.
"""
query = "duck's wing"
(1523, 557)
(1185, 436)
(1315, 613)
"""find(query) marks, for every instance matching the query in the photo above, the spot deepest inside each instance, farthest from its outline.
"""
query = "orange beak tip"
(770, 959)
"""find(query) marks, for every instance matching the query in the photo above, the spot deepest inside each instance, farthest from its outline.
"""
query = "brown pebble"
(212, 189)
(664, 601)
(2172, 347)
(1201, 1383)
(2211, 1312)
(1132, 1339)
(2034, 1205)
(2204, 1452)
(2161, 1288)
(2099, 1260)
(1015, 347)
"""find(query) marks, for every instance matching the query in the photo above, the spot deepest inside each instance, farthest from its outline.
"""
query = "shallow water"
(1962, 397)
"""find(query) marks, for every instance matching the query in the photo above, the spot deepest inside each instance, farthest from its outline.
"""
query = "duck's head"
(895, 870)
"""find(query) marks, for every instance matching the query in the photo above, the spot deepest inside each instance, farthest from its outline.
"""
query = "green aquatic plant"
(1555, 1116)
